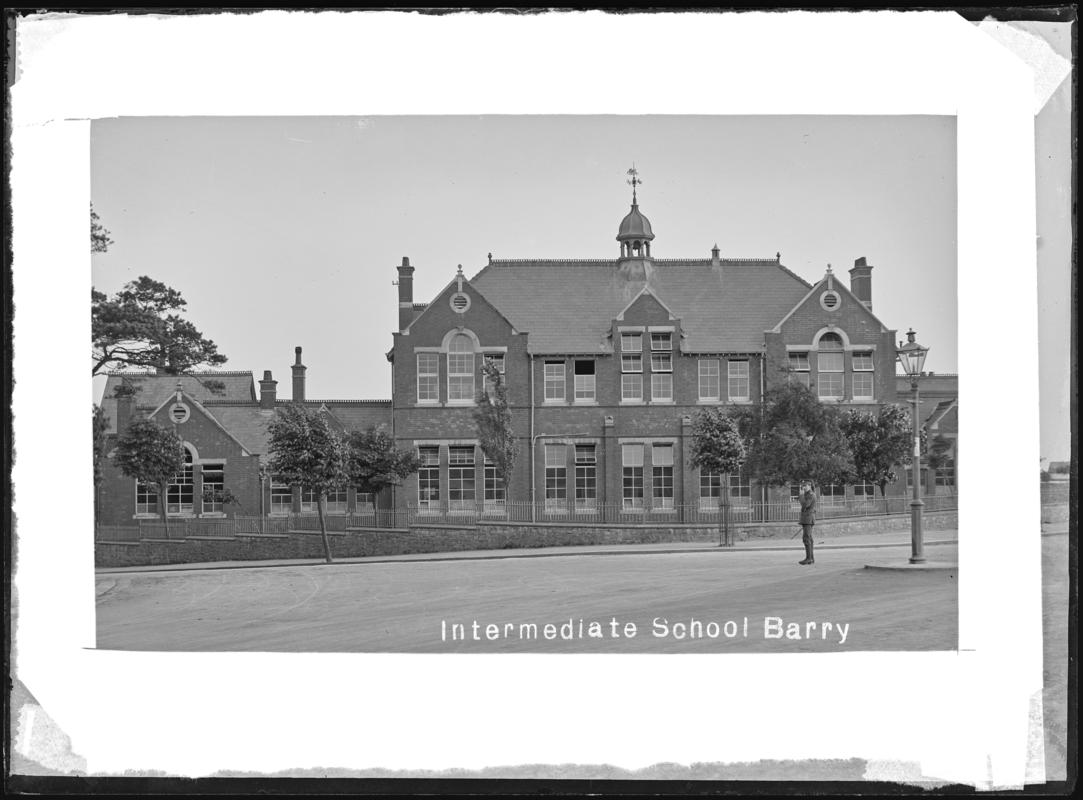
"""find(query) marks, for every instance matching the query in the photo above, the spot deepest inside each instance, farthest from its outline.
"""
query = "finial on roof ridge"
(635, 181)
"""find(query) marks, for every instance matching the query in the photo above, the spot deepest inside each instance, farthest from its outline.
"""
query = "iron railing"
(464, 514)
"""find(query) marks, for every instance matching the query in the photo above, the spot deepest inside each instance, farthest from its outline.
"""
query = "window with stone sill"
(180, 493)
(460, 490)
(460, 369)
(586, 477)
(146, 498)
(632, 476)
(495, 490)
(428, 377)
(709, 381)
(738, 380)
(554, 381)
(336, 501)
(281, 497)
(214, 484)
(556, 477)
(662, 476)
(710, 489)
(661, 387)
(584, 380)
(428, 478)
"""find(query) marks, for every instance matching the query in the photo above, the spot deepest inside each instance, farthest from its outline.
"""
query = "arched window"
(830, 341)
(460, 368)
(180, 494)
(829, 366)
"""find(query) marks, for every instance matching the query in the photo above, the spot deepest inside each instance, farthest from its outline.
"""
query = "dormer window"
(661, 341)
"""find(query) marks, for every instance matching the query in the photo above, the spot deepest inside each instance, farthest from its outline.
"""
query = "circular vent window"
(460, 302)
(830, 300)
(179, 413)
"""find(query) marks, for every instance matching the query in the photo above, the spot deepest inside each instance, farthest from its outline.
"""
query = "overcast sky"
(286, 231)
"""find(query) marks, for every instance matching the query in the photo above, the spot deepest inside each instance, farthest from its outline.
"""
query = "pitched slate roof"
(248, 422)
(568, 306)
(239, 387)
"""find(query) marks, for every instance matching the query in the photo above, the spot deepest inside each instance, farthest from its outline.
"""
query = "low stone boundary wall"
(359, 542)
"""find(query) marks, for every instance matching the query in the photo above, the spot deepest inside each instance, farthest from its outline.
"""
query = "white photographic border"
(962, 716)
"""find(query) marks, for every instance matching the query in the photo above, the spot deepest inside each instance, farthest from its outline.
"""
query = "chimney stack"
(268, 391)
(406, 294)
(125, 411)
(715, 260)
(298, 377)
(861, 282)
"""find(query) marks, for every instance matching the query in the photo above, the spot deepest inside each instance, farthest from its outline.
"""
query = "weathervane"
(635, 181)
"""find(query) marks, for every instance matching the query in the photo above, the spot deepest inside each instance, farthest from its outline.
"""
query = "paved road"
(411, 605)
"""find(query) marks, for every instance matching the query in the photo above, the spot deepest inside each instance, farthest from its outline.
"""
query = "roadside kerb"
(548, 552)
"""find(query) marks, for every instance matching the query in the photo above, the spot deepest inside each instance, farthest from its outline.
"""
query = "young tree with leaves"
(793, 436)
(375, 463)
(99, 432)
(492, 416)
(152, 455)
(717, 447)
(306, 450)
(879, 443)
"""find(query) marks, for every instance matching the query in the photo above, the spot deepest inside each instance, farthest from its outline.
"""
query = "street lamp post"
(912, 357)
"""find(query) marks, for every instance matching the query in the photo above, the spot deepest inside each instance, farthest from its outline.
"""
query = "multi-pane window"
(428, 478)
(862, 363)
(661, 375)
(740, 489)
(364, 502)
(146, 498)
(428, 377)
(336, 501)
(214, 485)
(554, 381)
(460, 368)
(710, 489)
(661, 341)
(709, 382)
(495, 492)
(864, 492)
(631, 379)
(799, 368)
(460, 478)
(281, 496)
(631, 342)
(309, 498)
(180, 494)
(795, 494)
(556, 477)
(662, 476)
(632, 478)
(833, 494)
(945, 475)
(586, 476)
(584, 380)
(738, 380)
(829, 367)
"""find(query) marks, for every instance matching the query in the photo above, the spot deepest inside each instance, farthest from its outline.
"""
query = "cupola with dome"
(635, 232)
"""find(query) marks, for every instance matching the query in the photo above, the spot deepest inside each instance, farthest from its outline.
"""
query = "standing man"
(808, 519)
